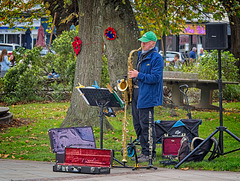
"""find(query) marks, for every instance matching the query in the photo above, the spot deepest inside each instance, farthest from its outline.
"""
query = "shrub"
(21, 82)
(27, 81)
(208, 69)
(208, 66)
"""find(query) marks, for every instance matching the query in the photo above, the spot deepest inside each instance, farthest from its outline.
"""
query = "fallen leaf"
(34, 138)
(5, 156)
(13, 157)
(187, 168)
(27, 141)
(44, 145)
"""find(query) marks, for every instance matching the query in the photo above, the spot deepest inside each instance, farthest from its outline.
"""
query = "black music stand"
(101, 97)
(219, 129)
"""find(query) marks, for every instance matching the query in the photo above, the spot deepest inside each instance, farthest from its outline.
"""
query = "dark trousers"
(141, 125)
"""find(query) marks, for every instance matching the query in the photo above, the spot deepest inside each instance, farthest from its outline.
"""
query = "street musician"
(147, 93)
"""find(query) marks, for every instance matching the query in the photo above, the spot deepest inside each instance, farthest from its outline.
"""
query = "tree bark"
(95, 17)
(235, 37)
(88, 66)
(234, 20)
(120, 17)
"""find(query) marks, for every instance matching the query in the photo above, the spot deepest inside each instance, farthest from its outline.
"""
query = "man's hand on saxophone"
(133, 73)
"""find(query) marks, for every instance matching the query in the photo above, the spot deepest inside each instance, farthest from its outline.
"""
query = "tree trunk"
(95, 17)
(235, 28)
(120, 17)
(88, 66)
(235, 37)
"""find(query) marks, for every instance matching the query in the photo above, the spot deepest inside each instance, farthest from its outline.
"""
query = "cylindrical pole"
(220, 102)
(50, 41)
(101, 129)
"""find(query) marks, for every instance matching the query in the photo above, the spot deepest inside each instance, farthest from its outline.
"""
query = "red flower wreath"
(76, 45)
(110, 33)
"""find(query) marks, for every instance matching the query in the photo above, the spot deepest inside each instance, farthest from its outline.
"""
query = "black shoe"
(143, 158)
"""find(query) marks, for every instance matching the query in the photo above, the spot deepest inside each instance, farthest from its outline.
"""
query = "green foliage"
(64, 61)
(105, 74)
(232, 92)
(21, 82)
(169, 17)
(18, 11)
(27, 81)
(207, 68)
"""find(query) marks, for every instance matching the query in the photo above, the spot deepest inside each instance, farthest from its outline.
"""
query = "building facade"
(16, 34)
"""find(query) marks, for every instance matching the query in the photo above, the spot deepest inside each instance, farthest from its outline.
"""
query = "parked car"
(170, 56)
(44, 51)
(9, 47)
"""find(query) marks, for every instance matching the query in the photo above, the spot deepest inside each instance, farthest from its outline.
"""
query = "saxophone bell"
(122, 85)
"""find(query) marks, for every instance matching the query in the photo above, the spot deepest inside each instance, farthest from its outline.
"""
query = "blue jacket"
(192, 54)
(150, 81)
(5, 64)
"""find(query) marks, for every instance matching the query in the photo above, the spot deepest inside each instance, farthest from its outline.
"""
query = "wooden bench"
(174, 79)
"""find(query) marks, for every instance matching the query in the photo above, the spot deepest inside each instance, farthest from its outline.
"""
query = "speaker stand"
(219, 129)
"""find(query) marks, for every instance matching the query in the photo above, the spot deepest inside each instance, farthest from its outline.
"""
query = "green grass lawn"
(27, 138)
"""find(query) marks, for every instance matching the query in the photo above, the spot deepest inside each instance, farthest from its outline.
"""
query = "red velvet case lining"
(87, 157)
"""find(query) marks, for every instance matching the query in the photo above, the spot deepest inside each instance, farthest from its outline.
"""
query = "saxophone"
(130, 67)
(123, 84)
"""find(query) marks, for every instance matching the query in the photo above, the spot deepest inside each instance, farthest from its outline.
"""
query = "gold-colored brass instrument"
(122, 85)
(124, 134)
(125, 86)
(130, 67)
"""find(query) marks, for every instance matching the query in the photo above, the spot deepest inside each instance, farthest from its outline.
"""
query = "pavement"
(16, 170)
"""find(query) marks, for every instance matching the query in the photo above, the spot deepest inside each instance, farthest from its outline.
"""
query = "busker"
(147, 92)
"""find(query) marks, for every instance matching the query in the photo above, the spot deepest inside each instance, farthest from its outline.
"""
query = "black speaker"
(216, 36)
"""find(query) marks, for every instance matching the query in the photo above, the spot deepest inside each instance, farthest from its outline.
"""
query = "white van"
(8, 47)
(170, 56)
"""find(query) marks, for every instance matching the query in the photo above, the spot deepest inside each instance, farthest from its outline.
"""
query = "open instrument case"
(85, 160)
(76, 151)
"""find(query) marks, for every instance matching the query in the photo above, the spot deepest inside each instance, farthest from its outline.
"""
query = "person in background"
(176, 63)
(5, 64)
(12, 60)
(147, 92)
(192, 55)
(72, 27)
(53, 74)
(201, 52)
